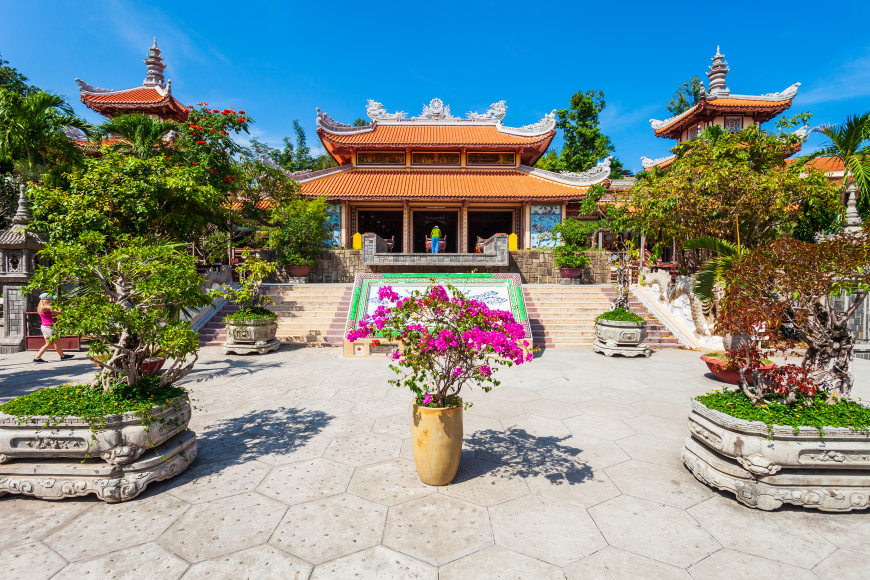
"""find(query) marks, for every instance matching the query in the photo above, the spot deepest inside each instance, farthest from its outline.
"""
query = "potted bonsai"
(447, 342)
(569, 255)
(792, 434)
(128, 297)
(620, 331)
(252, 328)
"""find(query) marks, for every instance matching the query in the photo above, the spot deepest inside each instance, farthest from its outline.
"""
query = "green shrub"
(620, 315)
(250, 313)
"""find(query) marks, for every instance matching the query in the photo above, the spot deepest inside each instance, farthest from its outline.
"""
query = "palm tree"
(32, 129)
(848, 142)
(143, 135)
(714, 269)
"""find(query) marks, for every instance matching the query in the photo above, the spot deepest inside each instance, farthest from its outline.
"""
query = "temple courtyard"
(571, 469)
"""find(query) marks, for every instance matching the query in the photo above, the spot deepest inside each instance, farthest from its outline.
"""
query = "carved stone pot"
(247, 336)
(123, 439)
(619, 337)
(764, 470)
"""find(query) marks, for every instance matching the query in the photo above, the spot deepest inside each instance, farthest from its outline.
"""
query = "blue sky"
(280, 60)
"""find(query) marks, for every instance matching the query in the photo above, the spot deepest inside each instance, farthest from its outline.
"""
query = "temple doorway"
(485, 224)
(384, 223)
(447, 222)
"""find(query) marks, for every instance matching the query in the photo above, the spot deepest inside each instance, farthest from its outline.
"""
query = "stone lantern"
(18, 248)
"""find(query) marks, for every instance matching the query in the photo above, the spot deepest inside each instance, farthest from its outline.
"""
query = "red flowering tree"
(205, 141)
(793, 292)
(448, 341)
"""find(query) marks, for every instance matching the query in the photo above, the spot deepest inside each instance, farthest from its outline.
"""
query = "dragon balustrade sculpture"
(701, 313)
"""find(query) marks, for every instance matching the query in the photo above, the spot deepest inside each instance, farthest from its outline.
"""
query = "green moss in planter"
(724, 357)
(250, 313)
(620, 315)
(805, 413)
(92, 405)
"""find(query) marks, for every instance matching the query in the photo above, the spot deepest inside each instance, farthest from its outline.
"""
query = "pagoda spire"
(22, 215)
(155, 66)
(717, 73)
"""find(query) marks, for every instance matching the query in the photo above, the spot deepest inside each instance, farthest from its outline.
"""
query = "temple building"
(152, 97)
(473, 177)
(717, 106)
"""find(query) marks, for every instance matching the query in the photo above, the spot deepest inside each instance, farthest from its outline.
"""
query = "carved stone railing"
(495, 254)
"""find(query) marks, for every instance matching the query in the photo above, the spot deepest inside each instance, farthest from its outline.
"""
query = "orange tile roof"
(822, 163)
(454, 184)
(138, 96)
(747, 103)
(457, 135)
(763, 111)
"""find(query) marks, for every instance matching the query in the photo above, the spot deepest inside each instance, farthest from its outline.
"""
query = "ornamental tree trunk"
(830, 353)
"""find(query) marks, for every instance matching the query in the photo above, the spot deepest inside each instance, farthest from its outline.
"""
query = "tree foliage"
(14, 81)
(293, 158)
(725, 185)
(687, 96)
(584, 143)
(144, 136)
(849, 142)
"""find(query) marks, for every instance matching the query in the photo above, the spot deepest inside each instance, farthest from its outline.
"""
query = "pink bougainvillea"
(448, 341)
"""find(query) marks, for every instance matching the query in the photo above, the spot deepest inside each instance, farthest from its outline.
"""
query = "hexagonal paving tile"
(652, 449)
(109, 527)
(545, 529)
(598, 427)
(378, 563)
(306, 481)
(732, 565)
(609, 394)
(343, 426)
(591, 452)
(535, 426)
(498, 563)
(394, 425)
(281, 451)
(496, 409)
(437, 529)
(382, 408)
(311, 393)
(205, 482)
(848, 531)
(26, 520)
(648, 529)
(842, 565)
(363, 449)
(389, 483)
(146, 561)
(664, 409)
(485, 483)
(223, 526)
(613, 564)
(760, 533)
(30, 562)
(472, 424)
(668, 428)
(565, 394)
(329, 407)
(514, 394)
(610, 409)
(329, 528)
(260, 562)
(552, 409)
(673, 487)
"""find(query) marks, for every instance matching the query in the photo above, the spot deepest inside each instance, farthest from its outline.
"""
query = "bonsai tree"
(448, 341)
(249, 296)
(812, 290)
(130, 298)
(621, 263)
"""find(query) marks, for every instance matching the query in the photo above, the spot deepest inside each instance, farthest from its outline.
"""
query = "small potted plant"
(726, 370)
(620, 331)
(253, 327)
(570, 256)
(447, 341)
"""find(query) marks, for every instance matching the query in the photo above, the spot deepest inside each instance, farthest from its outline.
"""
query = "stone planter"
(730, 376)
(437, 437)
(618, 337)
(247, 336)
(570, 272)
(122, 441)
(764, 470)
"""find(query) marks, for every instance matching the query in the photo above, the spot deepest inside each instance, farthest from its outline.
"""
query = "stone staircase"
(309, 315)
(563, 316)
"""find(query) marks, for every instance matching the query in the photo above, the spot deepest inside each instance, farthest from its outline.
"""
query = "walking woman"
(46, 316)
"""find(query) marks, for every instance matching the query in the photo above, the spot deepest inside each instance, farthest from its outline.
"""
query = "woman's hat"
(46, 296)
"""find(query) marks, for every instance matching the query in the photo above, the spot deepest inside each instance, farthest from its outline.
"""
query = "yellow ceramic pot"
(437, 437)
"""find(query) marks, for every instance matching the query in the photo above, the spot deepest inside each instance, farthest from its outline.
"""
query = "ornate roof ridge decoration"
(86, 89)
(154, 62)
(376, 112)
(320, 173)
(647, 163)
(583, 179)
(496, 112)
(656, 124)
(330, 125)
(545, 125)
(436, 110)
(265, 159)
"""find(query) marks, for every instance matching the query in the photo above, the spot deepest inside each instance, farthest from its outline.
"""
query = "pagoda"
(718, 106)
(153, 97)
(473, 177)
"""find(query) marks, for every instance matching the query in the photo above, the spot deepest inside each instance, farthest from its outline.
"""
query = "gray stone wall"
(14, 306)
(534, 266)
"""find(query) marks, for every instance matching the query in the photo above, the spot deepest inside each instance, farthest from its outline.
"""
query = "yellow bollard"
(357, 241)
(512, 243)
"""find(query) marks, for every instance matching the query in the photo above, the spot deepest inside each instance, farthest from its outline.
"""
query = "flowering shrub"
(205, 141)
(449, 341)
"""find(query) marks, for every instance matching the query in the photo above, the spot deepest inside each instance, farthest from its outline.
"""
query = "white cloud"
(613, 118)
(850, 80)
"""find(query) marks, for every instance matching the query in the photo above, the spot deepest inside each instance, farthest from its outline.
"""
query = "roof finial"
(717, 73)
(22, 215)
(853, 219)
(155, 66)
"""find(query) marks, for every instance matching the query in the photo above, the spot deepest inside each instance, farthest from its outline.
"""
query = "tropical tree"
(12, 80)
(32, 130)
(687, 96)
(848, 142)
(585, 144)
(714, 271)
(143, 135)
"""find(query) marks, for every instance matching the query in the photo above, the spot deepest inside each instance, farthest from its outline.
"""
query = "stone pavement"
(571, 470)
